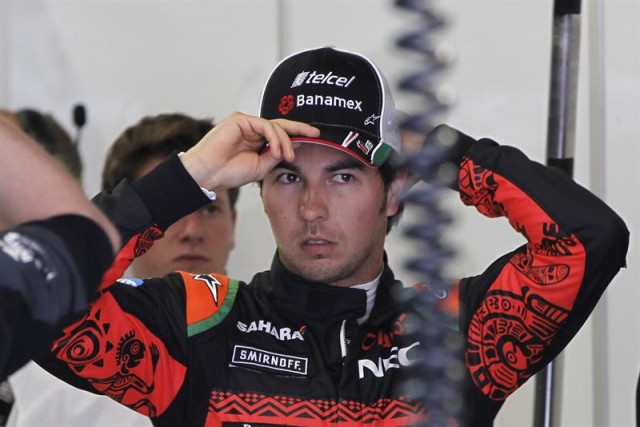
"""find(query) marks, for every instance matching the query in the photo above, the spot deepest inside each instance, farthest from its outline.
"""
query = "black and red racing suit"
(206, 350)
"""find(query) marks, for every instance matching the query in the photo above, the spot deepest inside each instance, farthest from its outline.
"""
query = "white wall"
(126, 59)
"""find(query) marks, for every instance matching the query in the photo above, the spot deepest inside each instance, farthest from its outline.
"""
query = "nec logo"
(398, 357)
(282, 334)
(316, 78)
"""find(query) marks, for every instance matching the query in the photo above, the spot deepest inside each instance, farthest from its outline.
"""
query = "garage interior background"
(124, 60)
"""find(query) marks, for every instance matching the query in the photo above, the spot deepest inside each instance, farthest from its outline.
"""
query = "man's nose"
(190, 228)
(314, 204)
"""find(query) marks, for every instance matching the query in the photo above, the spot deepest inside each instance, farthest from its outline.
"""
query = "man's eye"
(210, 209)
(343, 177)
(288, 178)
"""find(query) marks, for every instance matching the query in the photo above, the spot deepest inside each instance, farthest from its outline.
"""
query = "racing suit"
(207, 350)
(50, 271)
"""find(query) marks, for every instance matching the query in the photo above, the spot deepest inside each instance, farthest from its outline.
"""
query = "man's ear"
(396, 191)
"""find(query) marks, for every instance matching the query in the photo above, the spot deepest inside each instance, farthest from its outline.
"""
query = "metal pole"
(284, 29)
(597, 183)
(560, 148)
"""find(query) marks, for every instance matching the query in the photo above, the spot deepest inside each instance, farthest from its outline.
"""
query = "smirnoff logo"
(313, 77)
(257, 357)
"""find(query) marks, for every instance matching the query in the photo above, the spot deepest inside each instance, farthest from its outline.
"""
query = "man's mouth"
(191, 258)
(314, 242)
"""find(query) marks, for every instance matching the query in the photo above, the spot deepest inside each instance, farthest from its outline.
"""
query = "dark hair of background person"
(154, 136)
(52, 136)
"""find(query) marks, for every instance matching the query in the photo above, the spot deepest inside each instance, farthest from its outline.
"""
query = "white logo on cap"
(371, 120)
(299, 80)
(351, 136)
(365, 146)
(321, 79)
(330, 101)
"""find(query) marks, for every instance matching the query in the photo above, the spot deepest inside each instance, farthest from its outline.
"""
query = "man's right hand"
(228, 156)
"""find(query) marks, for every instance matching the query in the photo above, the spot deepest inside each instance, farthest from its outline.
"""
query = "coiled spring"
(440, 369)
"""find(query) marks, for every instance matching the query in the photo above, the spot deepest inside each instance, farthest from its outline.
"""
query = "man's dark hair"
(154, 136)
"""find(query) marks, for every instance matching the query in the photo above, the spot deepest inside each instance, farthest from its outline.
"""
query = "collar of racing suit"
(300, 297)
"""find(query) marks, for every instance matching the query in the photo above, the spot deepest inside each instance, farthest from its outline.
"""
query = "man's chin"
(318, 270)
(193, 267)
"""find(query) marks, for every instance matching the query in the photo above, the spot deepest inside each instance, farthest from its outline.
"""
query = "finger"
(274, 137)
(298, 128)
(280, 145)
(294, 128)
(266, 131)
(255, 130)
(266, 164)
(285, 143)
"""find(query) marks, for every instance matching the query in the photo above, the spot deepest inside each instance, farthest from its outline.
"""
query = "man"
(319, 339)
(198, 242)
(51, 135)
(53, 250)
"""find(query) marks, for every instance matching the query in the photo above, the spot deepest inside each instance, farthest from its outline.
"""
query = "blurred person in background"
(52, 136)
(55, 246)
(199, 242)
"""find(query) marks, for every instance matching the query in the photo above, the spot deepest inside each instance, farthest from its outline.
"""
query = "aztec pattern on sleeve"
(532, 296)
(119, 356)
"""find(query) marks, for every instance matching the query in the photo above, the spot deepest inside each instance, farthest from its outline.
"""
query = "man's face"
(198, 243)
(328, 213)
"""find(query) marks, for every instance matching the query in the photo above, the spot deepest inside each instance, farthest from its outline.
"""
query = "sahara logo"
(282, 334)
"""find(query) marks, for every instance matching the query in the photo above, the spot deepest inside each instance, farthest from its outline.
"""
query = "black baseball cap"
(341, 93)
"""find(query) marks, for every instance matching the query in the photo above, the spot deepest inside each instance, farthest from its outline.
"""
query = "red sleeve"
(132, 359)
(525, 308)
(137, 246)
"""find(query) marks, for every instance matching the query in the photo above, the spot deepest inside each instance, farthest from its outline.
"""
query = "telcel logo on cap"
(314, 77)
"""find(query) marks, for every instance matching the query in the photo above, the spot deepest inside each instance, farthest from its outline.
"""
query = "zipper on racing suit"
(344, 341)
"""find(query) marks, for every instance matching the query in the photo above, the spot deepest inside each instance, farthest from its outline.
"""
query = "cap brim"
(320, 141)
(359, 143)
